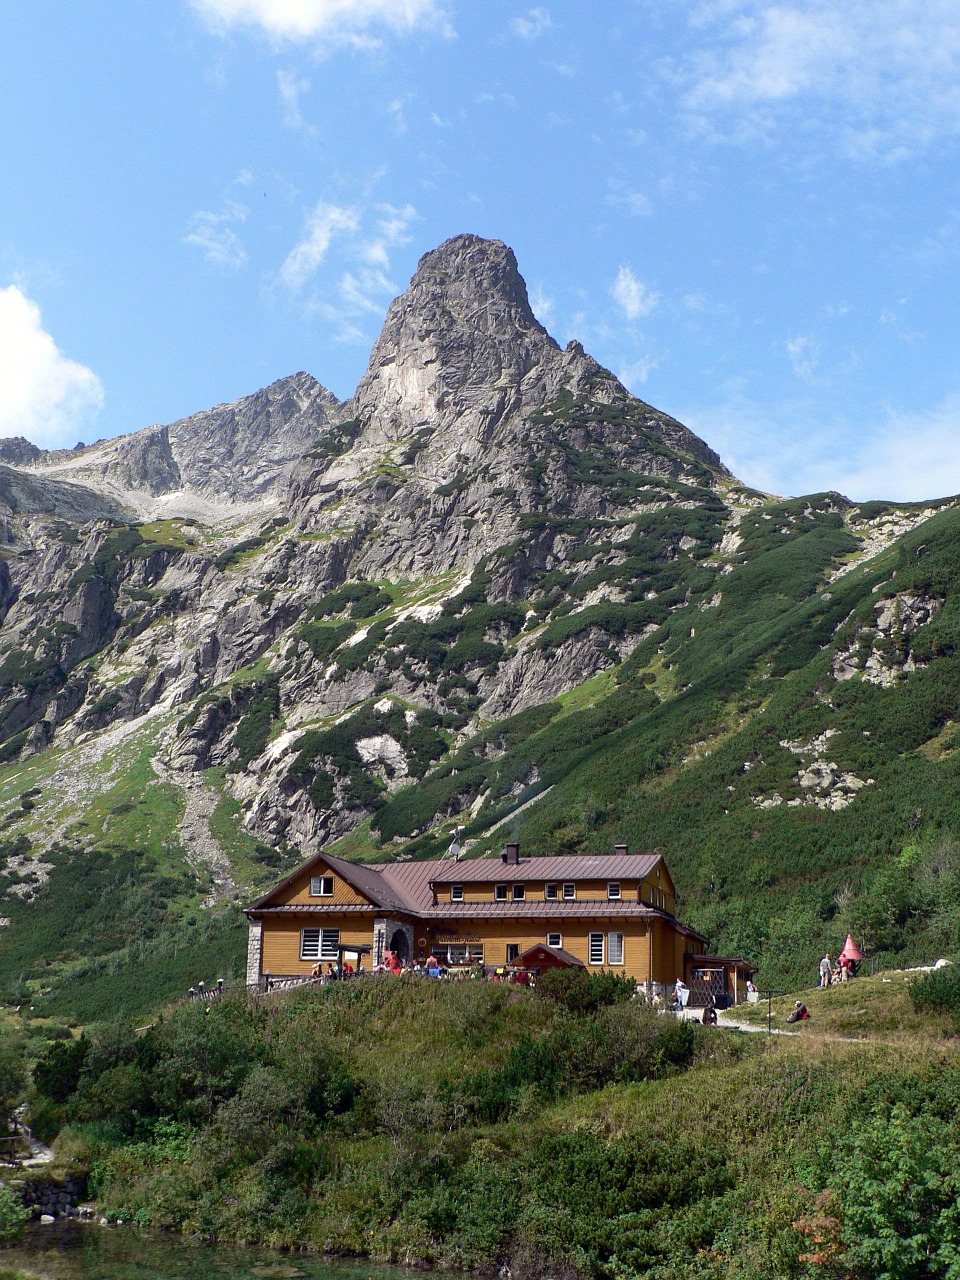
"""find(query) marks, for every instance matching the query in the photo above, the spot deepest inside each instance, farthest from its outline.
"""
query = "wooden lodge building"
(613, 912)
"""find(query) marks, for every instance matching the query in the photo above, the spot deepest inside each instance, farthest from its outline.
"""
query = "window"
(460, 952)
(321, 887)
(456, 893)
(513, 950)
(554, 940)
(499, 893)
(569, 891)
(550, 892)
(613, 890)
(595, 949)
(614, 948)
(519, 892)
(319, 944)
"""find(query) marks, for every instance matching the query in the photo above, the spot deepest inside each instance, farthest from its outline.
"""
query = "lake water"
(77, 1251)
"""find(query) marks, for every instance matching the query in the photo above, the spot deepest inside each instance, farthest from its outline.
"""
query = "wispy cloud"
(214, 234)
(633, 297)
(884, 78)
(368, 234)
(542, 306)
(292, 87)
(636, 204)
(803, 353)
(533, 23)
(350, 21)
(308, 253)
(44, 395)
(390, 230)
(635, 372)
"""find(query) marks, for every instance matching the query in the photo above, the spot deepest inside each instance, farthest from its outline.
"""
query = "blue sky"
(748, 209)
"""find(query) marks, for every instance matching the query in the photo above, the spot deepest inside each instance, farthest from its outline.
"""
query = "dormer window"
(569, 892)
(613, 890)
(519, 892)
(321, 886)
(456, 893)
(499, 893)
(550, 893)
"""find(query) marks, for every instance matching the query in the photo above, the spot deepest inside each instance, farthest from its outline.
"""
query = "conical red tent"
(850, 949)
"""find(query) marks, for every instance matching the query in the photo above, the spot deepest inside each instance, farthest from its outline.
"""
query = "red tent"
(850, 949)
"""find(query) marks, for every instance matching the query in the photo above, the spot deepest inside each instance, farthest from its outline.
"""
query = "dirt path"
(202, 848)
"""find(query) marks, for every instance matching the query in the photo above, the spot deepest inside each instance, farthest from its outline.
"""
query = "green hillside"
(772, 704)
(565, 1132)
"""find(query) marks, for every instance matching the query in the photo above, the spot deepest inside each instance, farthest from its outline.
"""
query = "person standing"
(825, 968)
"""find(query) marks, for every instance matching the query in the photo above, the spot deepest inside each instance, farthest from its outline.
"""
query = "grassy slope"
(715, 1170)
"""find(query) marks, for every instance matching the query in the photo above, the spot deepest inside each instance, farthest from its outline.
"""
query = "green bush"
(13, 1215)
(578, 991)
(938, 992)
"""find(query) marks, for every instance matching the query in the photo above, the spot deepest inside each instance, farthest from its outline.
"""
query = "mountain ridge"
(495, 591)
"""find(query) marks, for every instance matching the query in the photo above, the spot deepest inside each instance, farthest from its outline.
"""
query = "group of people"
(843, 970)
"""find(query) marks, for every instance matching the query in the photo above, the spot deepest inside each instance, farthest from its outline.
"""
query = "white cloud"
(311, 249)
(369, 233)
(883, 77)
(323, 20)
(43, 395)
(391, 230)
(533, 24)
(792, 448)
(633, 297)
(803, 353)
(542, 306)
(291, 87)
(215, 237)
(635, 373)
(396, 112)
(635, 203)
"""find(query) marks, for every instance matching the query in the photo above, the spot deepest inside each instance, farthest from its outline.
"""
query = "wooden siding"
(587, 890)
(298, 890)
(281, 938)
(645, 943)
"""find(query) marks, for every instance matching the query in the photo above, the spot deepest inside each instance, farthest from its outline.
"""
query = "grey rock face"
(473, 440)
(23, 494)
(468, 418)
(242, 451)
(234, 453)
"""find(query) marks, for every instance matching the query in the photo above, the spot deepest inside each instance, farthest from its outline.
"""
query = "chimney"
(621, 850)
(511, 855)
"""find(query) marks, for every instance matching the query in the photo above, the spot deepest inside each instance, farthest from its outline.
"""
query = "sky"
(749, 210)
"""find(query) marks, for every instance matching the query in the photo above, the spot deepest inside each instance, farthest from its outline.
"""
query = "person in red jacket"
(800, 1013)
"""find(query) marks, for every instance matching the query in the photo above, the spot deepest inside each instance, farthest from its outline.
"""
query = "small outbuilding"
(717, 980)
(539, 958)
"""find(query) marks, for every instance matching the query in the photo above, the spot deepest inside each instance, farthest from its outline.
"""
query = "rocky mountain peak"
(456, 345)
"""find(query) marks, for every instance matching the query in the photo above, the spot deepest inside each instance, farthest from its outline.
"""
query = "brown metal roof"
(567, 957)
(598, 866)
(406, 887)
(410, 881)
(724, 960)
(313, 908)
(535, 910)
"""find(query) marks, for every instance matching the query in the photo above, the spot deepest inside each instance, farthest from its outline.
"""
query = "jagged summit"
(457, 343)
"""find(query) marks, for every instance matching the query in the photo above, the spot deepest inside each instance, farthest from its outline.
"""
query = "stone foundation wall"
(56, 1196)
(254, 952)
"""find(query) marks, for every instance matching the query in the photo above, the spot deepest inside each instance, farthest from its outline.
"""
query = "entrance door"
(400, 945)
